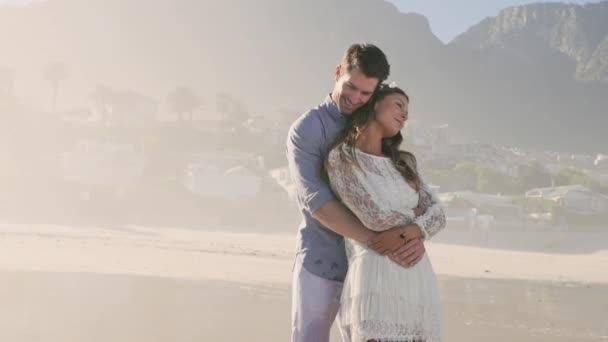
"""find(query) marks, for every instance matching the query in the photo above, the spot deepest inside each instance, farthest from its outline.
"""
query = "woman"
(382, 301)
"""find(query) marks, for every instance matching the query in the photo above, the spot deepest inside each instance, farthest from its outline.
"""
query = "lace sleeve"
(433, 220)
(347, 181)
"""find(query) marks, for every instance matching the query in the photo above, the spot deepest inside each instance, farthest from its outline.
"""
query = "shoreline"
(260, 258)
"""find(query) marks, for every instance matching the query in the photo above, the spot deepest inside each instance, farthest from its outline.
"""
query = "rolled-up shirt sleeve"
(305, 142)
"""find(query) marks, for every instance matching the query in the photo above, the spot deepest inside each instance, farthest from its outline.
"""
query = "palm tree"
(54, 73)
(232, 109)
(183, 102)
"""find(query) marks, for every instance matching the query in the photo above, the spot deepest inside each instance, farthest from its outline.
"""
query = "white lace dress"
(380, 299)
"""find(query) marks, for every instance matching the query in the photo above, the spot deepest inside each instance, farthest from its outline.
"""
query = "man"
(320, 265)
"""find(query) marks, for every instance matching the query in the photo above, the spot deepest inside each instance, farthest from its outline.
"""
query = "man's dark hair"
(368, 59)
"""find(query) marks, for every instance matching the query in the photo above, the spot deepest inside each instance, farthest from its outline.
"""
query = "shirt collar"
(331, 107)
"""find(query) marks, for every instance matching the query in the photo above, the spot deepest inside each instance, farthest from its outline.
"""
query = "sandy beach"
(65, 283)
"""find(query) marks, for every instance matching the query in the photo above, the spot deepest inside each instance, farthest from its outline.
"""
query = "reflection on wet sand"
(53, 306)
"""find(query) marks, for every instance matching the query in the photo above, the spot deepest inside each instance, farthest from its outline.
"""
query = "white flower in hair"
(392, 84)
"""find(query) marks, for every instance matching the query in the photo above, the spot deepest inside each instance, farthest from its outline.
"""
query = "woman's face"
(391, 114)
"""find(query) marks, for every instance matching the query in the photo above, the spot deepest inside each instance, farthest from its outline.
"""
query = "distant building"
(576, 160)
(238, 183)
(283, 178)
(479, 210)
(123, 108)
(601, 161)
(222, 175)
(575, 198)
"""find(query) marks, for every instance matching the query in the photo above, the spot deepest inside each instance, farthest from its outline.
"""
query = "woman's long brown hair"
(356, 123)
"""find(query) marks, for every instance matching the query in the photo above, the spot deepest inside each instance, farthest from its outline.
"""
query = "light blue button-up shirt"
(309, 139)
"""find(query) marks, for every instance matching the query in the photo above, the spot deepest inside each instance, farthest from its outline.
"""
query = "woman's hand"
(390, 240)
(412, 231)
(387, 241)
(412, 252)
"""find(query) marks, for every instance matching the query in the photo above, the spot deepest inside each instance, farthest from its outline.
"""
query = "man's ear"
(338, 71)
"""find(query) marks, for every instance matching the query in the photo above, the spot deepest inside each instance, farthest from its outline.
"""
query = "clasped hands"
(402, 244)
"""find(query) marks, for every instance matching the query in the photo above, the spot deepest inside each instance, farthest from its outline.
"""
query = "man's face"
(352, 89)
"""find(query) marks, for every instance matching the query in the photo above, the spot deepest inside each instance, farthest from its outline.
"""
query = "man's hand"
(409, 254)
(387, 241)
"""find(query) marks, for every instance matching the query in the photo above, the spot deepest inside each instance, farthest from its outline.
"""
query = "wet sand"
(135, 284)
(55, 306)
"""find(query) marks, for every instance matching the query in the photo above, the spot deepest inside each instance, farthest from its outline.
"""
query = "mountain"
(279, 56)
(574, 37)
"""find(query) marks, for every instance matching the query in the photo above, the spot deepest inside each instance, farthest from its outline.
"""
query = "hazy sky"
(448, 18)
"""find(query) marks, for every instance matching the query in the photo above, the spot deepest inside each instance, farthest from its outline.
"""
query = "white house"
(601, 161)
(210, 181)
(230, 176)
(283, 178)
(123, 107)
(464, 206)
(572, 197)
